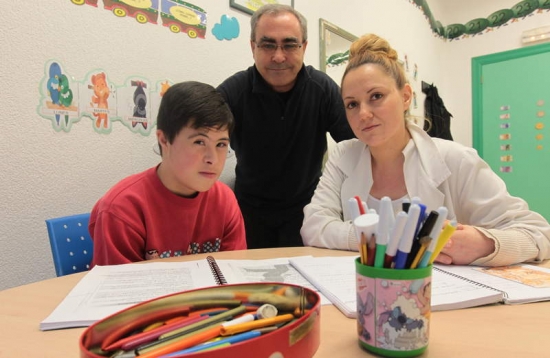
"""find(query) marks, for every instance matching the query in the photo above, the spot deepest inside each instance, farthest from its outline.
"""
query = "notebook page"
(521, 283)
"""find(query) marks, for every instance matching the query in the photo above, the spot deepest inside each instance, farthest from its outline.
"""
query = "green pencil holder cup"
(393, 310)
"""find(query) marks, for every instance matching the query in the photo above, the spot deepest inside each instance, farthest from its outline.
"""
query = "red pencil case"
(298, 337)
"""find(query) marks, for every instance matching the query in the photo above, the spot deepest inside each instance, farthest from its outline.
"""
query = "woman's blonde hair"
(373, 49)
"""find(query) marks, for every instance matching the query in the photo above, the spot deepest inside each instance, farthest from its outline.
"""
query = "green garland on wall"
(477, 26)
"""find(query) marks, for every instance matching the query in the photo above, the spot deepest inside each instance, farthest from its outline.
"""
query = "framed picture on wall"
(250, 7)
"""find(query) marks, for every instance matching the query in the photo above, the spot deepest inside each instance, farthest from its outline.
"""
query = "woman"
(394, 157)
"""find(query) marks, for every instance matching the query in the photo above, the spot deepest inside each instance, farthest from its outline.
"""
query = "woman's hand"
(466, 245)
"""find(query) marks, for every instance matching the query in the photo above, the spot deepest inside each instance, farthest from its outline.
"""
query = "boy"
(177, 207)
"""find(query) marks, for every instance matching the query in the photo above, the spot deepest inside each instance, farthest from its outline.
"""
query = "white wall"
(46, 173)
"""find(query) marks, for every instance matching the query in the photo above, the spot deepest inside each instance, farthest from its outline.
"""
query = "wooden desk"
(492, 331)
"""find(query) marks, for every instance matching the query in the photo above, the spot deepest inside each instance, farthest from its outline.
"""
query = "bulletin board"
(511, 120)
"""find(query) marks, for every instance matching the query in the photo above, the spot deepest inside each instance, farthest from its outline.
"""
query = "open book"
(453, 287)
(108, 289)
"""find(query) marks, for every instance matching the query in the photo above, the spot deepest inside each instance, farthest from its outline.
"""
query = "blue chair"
(71, 244)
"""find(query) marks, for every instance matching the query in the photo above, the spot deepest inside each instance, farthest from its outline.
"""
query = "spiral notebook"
(105, 290)
(453, 287)
(216, 271)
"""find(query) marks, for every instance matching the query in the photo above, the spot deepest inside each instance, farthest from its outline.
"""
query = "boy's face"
(194, 160)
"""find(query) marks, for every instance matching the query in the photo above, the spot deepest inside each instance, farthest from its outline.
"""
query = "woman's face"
(375, 107)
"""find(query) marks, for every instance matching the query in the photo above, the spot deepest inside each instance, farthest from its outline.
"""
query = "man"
(177, 207)
(283, 110)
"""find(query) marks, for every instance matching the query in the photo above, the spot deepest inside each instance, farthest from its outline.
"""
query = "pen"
(133, 341)
(382, 230)
(233, 339)
(421, 218)
(442, 239)
(243, 327)
(424, 242)
(405, 204)
(425, 230)
(405, 242)
(168, 338)
(438, 226)
(211, 319)
(182, 342)
(395, 235)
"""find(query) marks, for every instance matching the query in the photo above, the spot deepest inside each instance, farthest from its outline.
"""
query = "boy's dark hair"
(193, 104)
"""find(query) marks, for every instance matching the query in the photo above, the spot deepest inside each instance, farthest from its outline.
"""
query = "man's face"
(279, 66)
(194, 160)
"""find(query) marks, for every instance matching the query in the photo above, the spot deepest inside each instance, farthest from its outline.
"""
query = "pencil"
(363, 249)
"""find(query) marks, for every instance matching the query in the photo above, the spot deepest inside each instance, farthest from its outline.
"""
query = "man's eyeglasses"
(271, 48)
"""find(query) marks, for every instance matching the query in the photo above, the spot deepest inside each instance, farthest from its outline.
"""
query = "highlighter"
(449, 229)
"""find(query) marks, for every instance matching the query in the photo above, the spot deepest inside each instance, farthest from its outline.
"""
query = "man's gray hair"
(275, 9)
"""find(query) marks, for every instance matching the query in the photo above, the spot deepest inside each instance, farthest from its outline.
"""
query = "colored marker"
(442, 211)
(405, 242)
(353, 208)
(233, 339)
(395, 235)
(443, 238)
(424, 231)
(243, 327)
(424, 243)
(405, 205)
(360, 205)
(138, 339)
(383, 230)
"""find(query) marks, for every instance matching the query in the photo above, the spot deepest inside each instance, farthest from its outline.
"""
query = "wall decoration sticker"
(97, 93)
(479, 26)
(227, 29)
(177, 15)
(65, 101)
(144, 11)
(181, 16)
(59, 98)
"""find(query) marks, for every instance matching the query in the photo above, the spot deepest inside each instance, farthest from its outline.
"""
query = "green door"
(511, 120)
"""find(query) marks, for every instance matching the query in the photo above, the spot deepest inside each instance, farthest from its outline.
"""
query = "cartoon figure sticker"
(65, 101)
(99, 104)
(59, 98)
(393, 314)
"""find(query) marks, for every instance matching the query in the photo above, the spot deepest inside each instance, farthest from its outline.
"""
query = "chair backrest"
(71, 244)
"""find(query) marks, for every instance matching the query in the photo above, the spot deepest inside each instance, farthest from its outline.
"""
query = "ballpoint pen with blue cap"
(405, 242)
